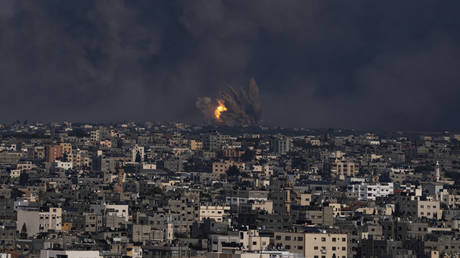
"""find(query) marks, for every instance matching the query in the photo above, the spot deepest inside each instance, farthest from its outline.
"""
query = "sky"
(318, 63)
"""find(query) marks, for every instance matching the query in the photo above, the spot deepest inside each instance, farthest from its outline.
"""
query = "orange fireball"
(219, 109)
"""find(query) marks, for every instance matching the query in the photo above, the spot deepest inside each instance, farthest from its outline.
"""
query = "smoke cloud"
(242, 106)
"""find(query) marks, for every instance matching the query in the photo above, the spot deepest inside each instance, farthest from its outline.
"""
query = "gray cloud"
(387, 64)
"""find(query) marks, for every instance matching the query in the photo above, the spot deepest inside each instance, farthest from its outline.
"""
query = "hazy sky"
(323, 63)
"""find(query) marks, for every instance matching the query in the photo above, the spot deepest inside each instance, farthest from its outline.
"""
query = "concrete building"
(313, 245)
(281, 144)
(34, 221)
(367, 191)
(217, 213)
(69, 254)
(222, 166)
(341, 168)
(53, 152)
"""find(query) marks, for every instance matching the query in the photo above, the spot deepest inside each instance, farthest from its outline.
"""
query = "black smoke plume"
(243, 105)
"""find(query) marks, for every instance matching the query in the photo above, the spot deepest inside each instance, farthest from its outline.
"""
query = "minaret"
(438, 171)
(287, 196)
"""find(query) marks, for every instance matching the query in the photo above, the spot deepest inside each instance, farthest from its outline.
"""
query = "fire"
(219, 109)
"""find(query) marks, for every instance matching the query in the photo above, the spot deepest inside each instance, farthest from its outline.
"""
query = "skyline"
(387, 65)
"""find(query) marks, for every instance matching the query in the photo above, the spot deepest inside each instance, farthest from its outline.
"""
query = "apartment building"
(223, 166)
(314, 245)
(53, 152)
(340, 168)
(217, 213)
(69, 254)
(35, 220)
(367, 191)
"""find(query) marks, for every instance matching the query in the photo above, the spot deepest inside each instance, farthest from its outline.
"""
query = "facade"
(341, 168)
(53, 152)
(314, 245)
(222, 167)
(371, 191)
(217, 213)
(34, 221)
(69, 254)
(281, 144)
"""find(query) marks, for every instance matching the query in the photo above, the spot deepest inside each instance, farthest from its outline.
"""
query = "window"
(300, 239)
(343, 239)
(287, 238)
(315, 248)
(344, 248)
(334, 248)
(334, 239)
(278, 237)
(323, 239)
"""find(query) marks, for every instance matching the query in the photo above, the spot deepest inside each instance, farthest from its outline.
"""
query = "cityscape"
(180, 190)
(229, 129)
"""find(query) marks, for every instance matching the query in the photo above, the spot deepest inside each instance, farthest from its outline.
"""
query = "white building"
(69, 254)
(62, 164)
(371, 191)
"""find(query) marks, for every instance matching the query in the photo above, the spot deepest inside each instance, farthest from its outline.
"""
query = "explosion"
(219, 110)
(233, 106)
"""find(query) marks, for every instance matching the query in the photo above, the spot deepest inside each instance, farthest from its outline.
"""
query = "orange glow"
(219, 109)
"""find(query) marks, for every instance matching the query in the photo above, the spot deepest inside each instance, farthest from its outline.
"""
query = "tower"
(438, 171)
(287, 196)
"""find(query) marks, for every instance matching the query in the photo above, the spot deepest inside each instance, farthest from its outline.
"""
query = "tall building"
(214, 142)
(53, 152)
(438, 171)
(281, 144)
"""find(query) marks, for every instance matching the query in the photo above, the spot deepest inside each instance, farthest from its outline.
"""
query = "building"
(341, 168)
(69, 254)
(217, 213)
(367, 191)
(313, 245)
(66, 147)
(416, 207)
(53, 152)
(33, 221)
(137, 153)
(223, 166)
(196, 145)
(281, 144)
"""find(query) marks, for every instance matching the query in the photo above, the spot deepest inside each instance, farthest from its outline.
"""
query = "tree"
(24, 178)
(233, 171)
(138, 157)
(23, 233)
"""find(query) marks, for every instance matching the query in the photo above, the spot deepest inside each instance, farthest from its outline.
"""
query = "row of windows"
(323, 239)
(333, 248)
